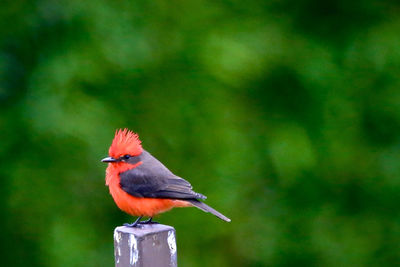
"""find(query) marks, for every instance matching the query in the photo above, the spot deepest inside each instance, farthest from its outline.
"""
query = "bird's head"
(126, 145)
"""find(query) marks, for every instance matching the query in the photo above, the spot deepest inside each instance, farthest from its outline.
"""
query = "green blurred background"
(286, 114)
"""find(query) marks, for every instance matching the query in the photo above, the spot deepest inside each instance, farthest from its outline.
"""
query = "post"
(147, 246)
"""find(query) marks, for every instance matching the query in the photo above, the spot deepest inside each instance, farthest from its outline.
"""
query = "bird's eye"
(126, 157)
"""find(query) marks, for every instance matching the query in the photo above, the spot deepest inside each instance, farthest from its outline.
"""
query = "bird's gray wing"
(153, 180)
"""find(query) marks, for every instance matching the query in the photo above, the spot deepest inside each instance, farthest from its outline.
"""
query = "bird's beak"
(109, 159)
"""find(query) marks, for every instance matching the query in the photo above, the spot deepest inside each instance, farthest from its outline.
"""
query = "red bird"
(142, 186)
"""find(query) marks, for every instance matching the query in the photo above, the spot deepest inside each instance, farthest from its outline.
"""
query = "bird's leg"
(149, 221)
(134, 224)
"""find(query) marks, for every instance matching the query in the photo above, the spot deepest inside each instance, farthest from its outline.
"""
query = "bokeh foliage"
(286, 114)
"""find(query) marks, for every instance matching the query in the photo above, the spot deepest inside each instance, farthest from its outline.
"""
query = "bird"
(142, 186)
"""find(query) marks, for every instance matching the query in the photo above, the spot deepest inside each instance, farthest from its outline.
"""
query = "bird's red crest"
(125, 143)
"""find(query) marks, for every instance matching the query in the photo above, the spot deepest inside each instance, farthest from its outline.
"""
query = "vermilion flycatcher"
(142, 186)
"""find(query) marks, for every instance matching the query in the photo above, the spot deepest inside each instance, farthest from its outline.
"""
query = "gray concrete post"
(147, 246)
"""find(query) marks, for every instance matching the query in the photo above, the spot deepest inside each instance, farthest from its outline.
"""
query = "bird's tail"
(206, 208)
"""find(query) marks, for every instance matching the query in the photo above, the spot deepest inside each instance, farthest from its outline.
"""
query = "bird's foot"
(135, 223)
(149, 221)
(139, 223)
(152, 223)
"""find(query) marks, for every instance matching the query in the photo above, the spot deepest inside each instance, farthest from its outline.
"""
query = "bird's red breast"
(136, 206)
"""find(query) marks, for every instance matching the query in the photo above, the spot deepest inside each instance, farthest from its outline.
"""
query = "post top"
(144, 229)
